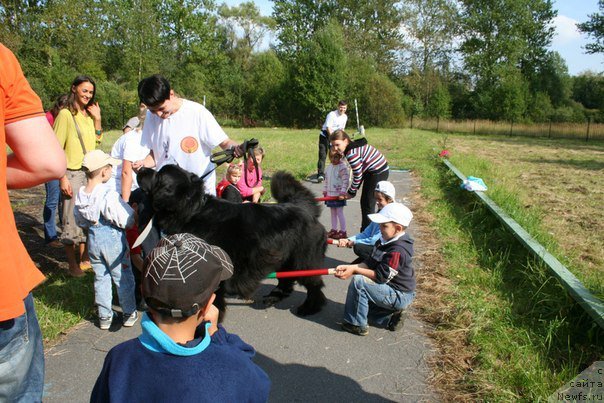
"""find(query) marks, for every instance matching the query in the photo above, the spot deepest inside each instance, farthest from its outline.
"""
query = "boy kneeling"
(384, 284)
(182, 354)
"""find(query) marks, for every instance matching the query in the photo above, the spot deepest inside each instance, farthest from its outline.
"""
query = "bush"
(383, 102)
(117, 104)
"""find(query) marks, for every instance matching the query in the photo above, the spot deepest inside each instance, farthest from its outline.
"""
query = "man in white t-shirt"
(335, 120)
(179, 131)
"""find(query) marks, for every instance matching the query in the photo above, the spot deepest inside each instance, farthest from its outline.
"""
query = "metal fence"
(580, 131)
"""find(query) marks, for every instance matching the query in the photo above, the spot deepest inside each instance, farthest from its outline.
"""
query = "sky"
(567, 41)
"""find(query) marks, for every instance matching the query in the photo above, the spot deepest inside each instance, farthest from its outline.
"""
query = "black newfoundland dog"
(259, 238)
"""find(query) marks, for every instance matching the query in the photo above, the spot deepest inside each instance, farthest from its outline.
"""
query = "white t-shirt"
(134, 151)
(127, 147)
(335, 121)
(117, 151)
(185, 138)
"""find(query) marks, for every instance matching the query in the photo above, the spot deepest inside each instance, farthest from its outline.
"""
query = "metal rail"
(591, 304)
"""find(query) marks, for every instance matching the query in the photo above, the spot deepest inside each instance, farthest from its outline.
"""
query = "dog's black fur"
(259, 238)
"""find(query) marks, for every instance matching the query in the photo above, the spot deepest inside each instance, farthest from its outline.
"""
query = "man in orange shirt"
(36, 158)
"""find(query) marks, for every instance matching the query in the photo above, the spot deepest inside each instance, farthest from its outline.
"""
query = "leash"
(227, 156)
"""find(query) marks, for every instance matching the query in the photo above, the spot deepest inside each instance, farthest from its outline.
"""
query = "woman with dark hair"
(53, 192)
(78, 129)
(368, 166)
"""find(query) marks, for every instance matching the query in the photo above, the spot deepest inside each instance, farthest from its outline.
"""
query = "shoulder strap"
(79, 134)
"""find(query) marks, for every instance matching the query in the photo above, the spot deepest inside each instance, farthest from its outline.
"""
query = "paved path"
(308, 359)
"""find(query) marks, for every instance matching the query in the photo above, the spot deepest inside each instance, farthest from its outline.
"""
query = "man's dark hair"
(342, 103)
(153, 90)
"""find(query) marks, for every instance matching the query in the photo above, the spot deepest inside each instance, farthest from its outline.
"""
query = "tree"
(383, 102)
(439, 104)
(500, 37)
(247, 19)
(297, 21)
(371, 29)
(594, 27)
(431, 28)
(504, 32)
(318, 74)
(263, 85)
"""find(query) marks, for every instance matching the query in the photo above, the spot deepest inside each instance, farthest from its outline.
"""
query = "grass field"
(504, 328)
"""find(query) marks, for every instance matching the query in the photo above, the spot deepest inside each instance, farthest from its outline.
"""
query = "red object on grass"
(444, 154)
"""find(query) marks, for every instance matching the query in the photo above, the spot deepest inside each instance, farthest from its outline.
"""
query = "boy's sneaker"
(358, 330)
(105, 323)
(320, 178)
(396, 322)
(131, 319)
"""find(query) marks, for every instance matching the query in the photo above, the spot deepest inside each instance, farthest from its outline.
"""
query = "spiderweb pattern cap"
(181, 273)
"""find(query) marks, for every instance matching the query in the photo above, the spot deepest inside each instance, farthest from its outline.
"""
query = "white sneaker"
(131, 319)
(105, 323)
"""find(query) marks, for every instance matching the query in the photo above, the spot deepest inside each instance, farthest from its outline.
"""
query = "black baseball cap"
(181, 273)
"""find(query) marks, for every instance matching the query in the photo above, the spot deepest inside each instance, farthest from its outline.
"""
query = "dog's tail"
(287, 189)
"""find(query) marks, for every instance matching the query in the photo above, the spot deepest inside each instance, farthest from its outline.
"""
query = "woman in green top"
(78, 129)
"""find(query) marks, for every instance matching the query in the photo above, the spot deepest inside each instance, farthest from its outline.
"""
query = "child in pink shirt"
(250, 184)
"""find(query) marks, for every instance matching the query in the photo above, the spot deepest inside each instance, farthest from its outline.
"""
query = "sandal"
(85, 266)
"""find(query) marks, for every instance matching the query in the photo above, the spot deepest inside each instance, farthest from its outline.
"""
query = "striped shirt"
(364, 160)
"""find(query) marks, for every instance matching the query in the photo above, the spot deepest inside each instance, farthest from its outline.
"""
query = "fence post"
(588, 124)
(511, 127)
(474, 126)
(123, 115)
(412, 121)
(437, 123)
(549, 133)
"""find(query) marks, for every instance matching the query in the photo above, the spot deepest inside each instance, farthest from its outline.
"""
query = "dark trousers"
(323, 149)
(370, 180)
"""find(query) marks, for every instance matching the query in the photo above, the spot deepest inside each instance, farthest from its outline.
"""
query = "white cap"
(132, 123)
(396, 212)
(96, 159)
(386, 188)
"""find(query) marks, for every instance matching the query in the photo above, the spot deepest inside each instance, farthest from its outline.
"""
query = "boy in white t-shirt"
(179, 131)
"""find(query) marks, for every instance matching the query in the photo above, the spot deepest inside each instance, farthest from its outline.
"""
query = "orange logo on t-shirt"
(189, 145)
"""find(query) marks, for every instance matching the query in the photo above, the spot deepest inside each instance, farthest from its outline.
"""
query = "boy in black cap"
(182, 354)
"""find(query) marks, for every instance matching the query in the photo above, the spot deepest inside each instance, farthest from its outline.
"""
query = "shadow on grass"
(564, 335)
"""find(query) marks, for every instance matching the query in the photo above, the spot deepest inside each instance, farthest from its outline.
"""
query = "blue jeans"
(53, 193)
(366, 297)
(110, 258)
(21, 357)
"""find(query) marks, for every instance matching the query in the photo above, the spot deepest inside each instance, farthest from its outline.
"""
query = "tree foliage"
(594, 27)
(431, 58)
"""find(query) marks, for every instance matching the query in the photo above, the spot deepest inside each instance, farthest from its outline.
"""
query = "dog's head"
(171, 190)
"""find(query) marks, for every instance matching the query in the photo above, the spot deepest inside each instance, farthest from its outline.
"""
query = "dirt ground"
(28, 205)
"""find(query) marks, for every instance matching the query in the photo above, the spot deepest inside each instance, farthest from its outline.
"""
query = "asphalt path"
(307, 359)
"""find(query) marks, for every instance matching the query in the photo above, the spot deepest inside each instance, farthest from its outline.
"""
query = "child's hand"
(345, 243)
(324, 194)
(344, 271)
(212, 317)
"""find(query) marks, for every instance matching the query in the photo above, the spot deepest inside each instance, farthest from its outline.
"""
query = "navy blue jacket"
(392, 263)
(222, 372)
